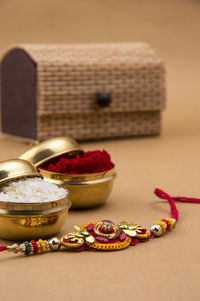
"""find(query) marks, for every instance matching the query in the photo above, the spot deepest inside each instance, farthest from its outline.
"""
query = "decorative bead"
(132, 226)
(28, 248)
(157, 230)
(122, 237)
(85, 233)
(47, 245)
(42, 246)
(123, 226)
(99, 231)
(167, 223)
(107, 227)
(163, 225)
(172, 222)
(131, 233)
(90, 227)
(54, 244)
(35, 246)
(90, 239)
(14, 248)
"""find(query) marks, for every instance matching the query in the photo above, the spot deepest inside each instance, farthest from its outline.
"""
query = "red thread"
(186, 200)
(88, 162)
(134, 241)
(163, 195)
(3, 248)
(171, 199)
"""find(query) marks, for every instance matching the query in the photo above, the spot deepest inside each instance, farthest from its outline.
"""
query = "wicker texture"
(92, 126)
(70, 76)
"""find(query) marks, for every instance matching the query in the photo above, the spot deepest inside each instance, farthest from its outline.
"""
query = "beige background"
(162, 269)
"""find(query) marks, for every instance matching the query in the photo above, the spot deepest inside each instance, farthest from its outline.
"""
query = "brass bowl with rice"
(30, 208)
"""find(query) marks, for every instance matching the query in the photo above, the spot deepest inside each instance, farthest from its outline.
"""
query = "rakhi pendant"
(105, 235)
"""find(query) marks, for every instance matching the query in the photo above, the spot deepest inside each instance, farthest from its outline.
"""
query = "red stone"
(122, 237)
(90, 227)
(102, 239)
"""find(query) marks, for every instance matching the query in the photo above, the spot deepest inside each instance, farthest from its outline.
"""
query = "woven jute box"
(88, 91)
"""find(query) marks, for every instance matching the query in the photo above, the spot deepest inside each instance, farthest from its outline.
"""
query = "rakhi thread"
(105, 235)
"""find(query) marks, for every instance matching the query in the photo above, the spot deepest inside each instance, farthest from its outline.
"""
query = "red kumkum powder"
(85, 163)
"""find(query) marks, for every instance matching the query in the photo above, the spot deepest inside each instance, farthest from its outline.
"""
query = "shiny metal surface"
(88, 190)
(16, 168)
(54, 244)
(51, 148)
(157, 230)
(21, 221)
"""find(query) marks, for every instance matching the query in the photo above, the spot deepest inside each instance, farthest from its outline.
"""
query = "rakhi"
(105, 235)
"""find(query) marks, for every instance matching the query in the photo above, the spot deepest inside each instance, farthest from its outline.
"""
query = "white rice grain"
(33, 190)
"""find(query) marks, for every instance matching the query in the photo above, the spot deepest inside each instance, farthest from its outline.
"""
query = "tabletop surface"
(149, 270)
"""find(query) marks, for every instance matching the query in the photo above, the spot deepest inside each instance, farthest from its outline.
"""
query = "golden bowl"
(21, 221)
(26, 221)
(87, 190)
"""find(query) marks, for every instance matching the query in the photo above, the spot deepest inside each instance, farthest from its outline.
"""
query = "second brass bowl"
(86, 190)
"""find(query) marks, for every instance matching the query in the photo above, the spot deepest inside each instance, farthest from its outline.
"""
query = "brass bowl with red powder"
(87, 189)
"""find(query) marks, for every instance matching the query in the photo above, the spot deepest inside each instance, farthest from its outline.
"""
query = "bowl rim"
(33, 209)
(111, 170)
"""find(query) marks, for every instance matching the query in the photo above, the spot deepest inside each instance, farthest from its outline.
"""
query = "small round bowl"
(20, 221)
(26, 221)
(86, 190)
